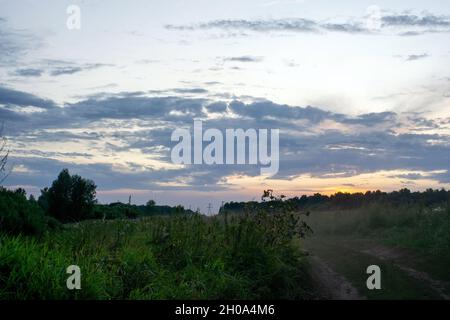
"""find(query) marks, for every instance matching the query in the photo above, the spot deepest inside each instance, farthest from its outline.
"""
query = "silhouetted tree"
(70, 198)
(4, 153)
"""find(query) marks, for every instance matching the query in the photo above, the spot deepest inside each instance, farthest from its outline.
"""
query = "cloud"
(217, 107)
(399, 24)
(244, 59)
(411, 20)
(10, 116)
(295, 25)
(291, 63)
(408, 24)
(14, 44)
(372, 119)
(29, 72)
(215, 83)
(190, 90)
(65, 70)
(345, 27)
(137, 107)
(298, 25)
(59, 68)
(442, 177)
(281, 2)
(410, 176)
(415, 57)
(123, 140)
(23, 99)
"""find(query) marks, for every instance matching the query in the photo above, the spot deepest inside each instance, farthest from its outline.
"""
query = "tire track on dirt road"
(330, 284)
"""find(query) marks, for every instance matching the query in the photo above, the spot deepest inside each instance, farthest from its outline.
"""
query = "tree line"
(342, 201)
(69, 199)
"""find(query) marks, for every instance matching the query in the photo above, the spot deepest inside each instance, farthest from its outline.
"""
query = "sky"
(360, 91)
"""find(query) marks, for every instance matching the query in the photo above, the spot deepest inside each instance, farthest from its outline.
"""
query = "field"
(268, 250)
(178, 257)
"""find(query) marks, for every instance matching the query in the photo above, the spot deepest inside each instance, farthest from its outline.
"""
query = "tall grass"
(179, 257)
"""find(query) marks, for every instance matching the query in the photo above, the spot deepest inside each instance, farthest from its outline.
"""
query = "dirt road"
(339, 266)
(331, 285)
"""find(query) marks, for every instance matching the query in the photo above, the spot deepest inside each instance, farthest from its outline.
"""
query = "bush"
(115, 210)
(18, 215)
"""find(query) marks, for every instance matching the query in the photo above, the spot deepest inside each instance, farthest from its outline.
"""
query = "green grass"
(179, 257)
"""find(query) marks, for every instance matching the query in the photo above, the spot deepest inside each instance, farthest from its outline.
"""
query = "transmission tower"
(209, 209)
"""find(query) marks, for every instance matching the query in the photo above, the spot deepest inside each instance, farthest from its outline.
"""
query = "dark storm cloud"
(116, 123)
